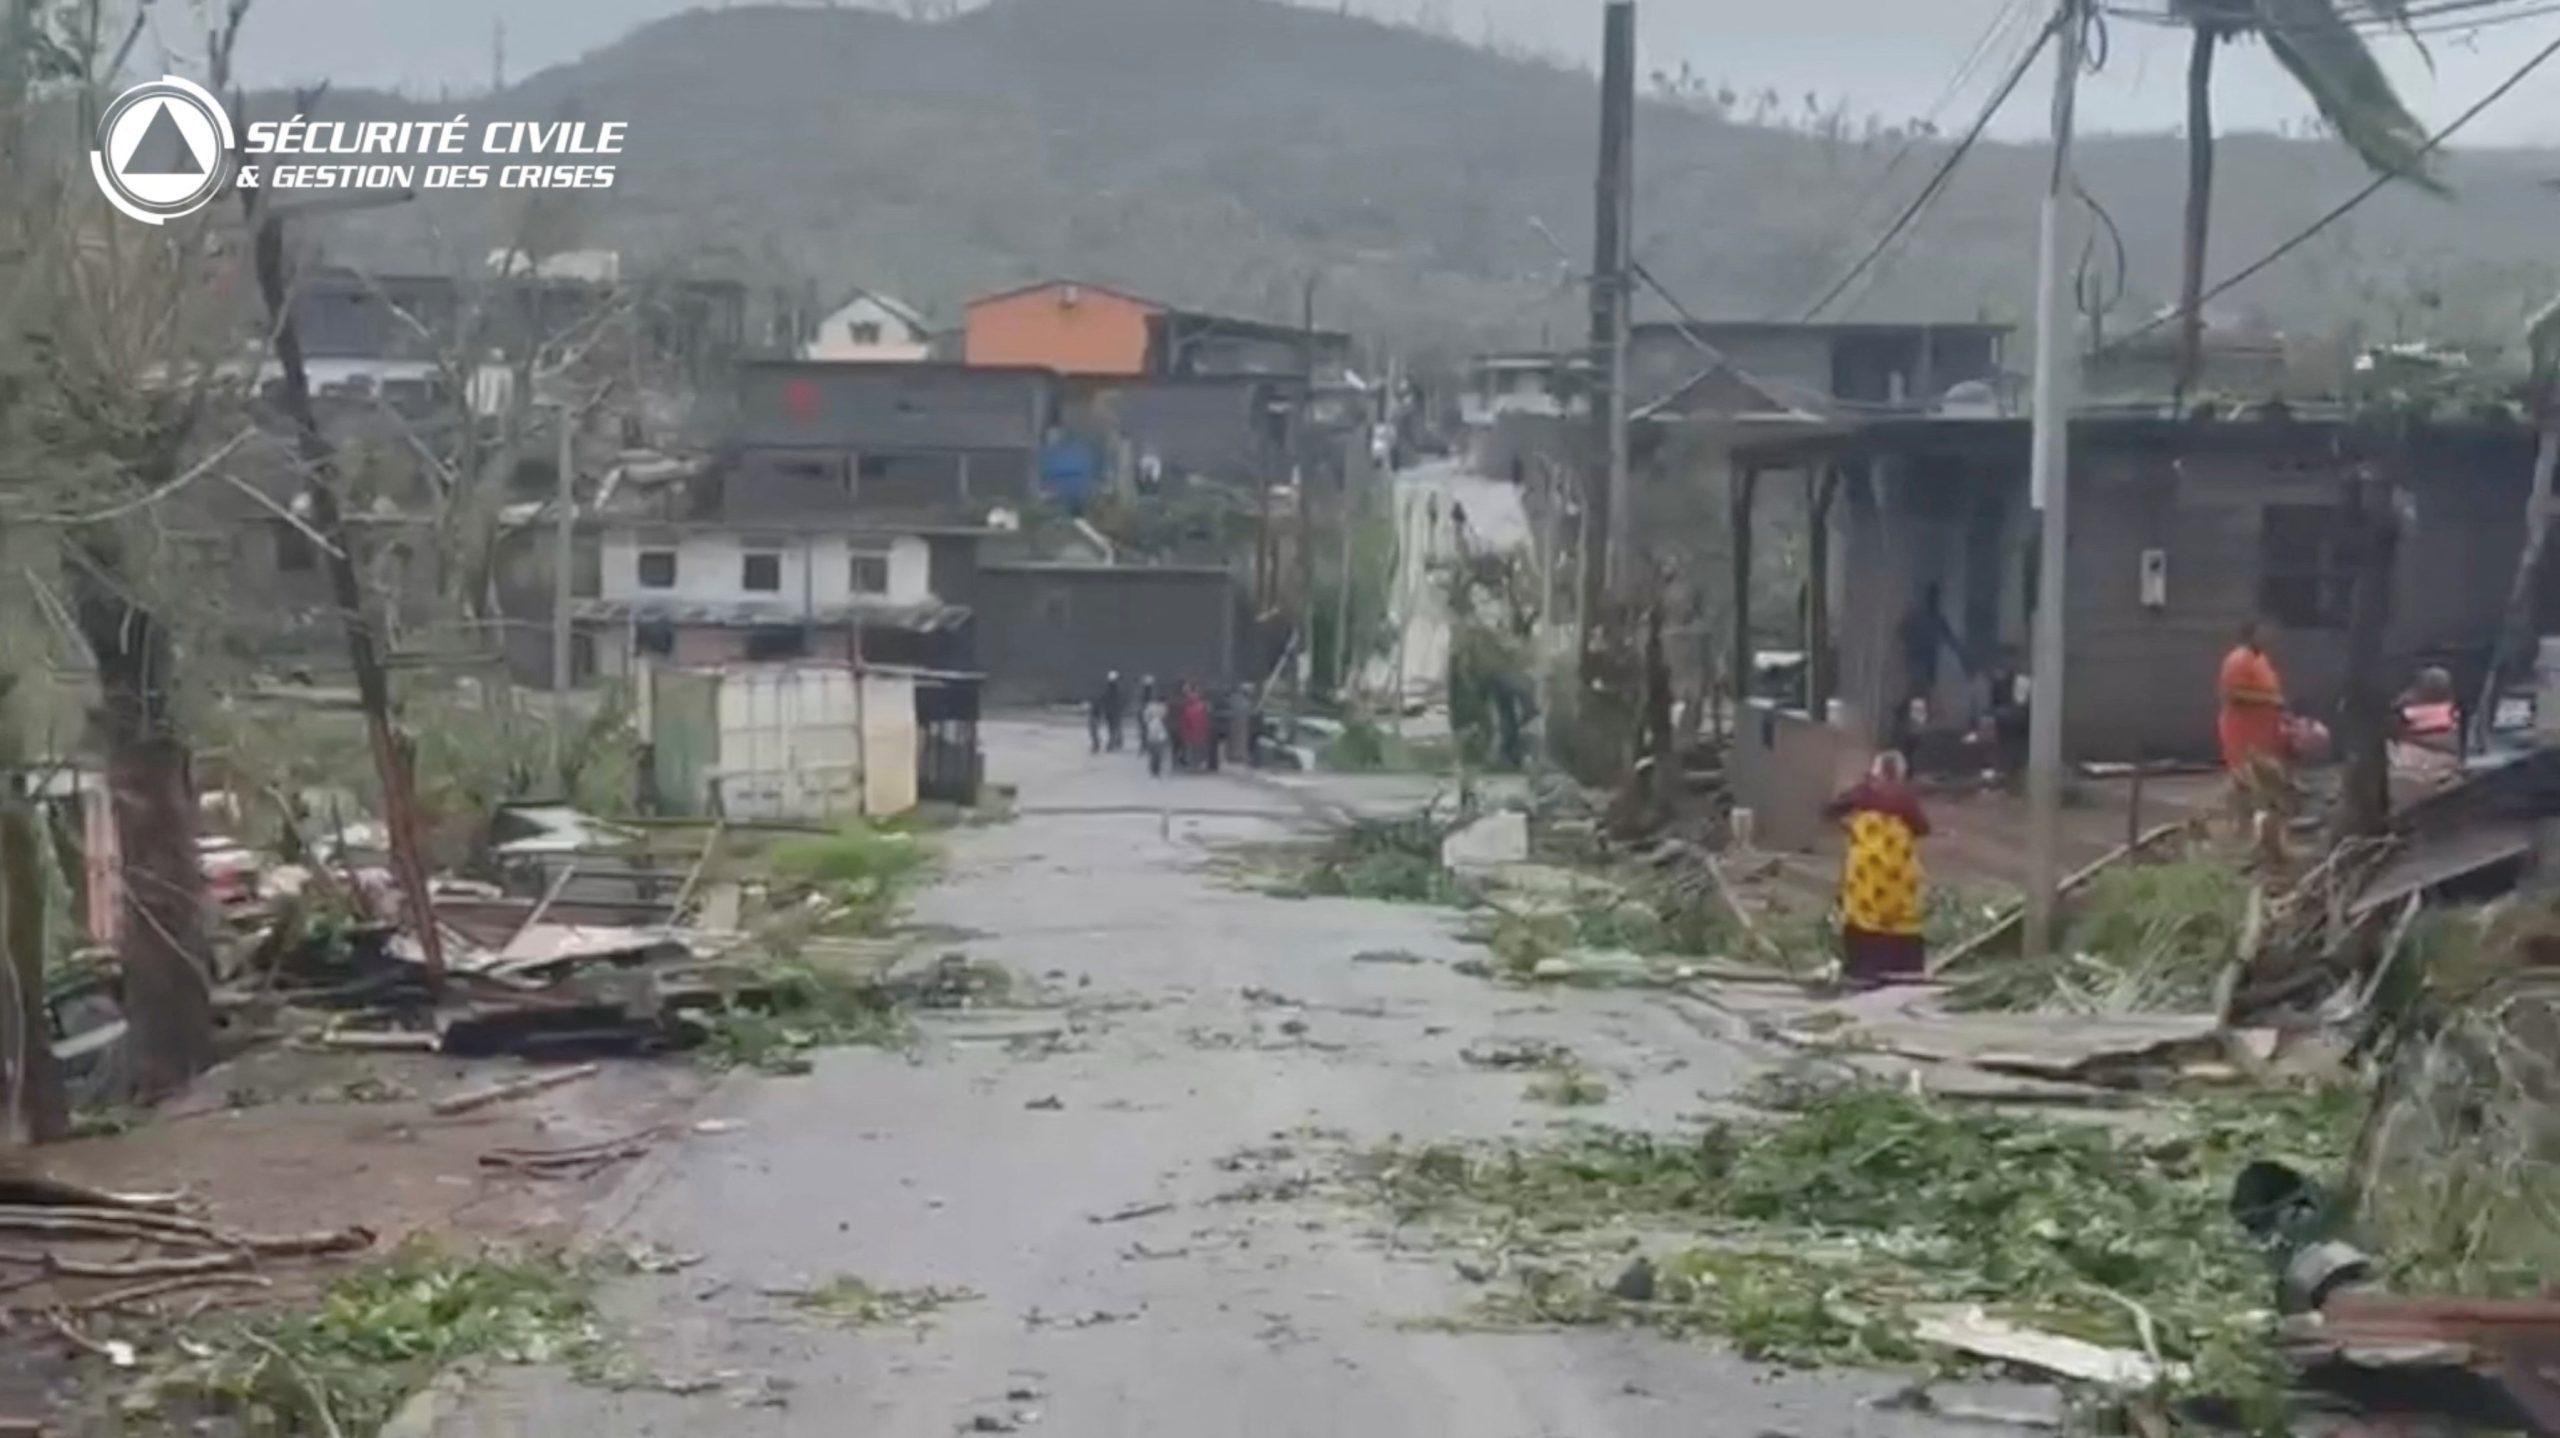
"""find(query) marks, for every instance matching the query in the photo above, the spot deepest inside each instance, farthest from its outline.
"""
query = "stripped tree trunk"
(167, 958)
(2364, 809)
(391, 749)
(36, 1110)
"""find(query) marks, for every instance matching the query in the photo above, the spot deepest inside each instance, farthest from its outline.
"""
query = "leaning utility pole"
(2050, 470)
(1609, 510)
(564, 556)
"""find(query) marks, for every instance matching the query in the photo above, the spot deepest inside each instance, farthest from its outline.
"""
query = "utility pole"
(563, 557)
(1302, 464)
(1609, 510)
(2050, 478)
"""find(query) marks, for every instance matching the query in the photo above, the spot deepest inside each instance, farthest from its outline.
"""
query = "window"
(867, 332)
(762, 574)
(2302, 572)
(654, 638)
(294, 552)
(870, 574)
(873, 466)
(657, 569)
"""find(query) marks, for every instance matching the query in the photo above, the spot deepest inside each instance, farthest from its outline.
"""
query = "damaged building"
(1920, 565)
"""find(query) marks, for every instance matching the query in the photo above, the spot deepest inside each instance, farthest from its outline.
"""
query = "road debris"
(1501, 1053)
(577, 1161)
(1131, 1213)
(862, 1304)
(481, 1098)
(1968, 1329)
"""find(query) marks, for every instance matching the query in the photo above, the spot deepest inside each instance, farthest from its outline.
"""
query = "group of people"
(2262, 741)
(1186, 728)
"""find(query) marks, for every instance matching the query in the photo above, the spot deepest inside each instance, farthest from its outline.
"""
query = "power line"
(1938, 180)
(2338, 211)
(1924, 127)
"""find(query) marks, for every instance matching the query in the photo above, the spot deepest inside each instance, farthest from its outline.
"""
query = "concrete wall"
(2139, 681)
(1073, 329)
(1785, 767)
(1049, 632)
(817, 569)
(2139, 678)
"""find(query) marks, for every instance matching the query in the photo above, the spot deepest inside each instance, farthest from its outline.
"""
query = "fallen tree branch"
(118, 1298)
(195, 1264)
(44, 1190)
(480, 1098)
(107, 1223)
(2015, 915)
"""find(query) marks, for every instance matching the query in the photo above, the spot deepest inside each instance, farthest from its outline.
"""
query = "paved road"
(988, 1165)
(1428, 496)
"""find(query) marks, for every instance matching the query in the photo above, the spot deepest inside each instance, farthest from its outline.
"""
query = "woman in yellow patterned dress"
(1881, 894)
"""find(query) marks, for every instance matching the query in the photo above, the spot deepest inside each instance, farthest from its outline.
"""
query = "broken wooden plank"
(377, 1041)
(1968, 1329)
(480, 1098)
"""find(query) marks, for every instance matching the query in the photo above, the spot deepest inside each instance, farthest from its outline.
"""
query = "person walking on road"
(1191, 727)
(1151, 725)
(1110, 711)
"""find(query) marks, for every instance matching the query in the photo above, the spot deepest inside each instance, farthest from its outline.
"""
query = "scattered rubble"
(862, 1304)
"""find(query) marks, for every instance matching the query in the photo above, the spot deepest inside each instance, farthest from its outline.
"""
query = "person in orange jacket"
(2252, 729)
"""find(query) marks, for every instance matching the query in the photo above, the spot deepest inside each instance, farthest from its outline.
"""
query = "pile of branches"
(97, 1252)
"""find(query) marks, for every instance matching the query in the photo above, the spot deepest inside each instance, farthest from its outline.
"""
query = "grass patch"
(380, 1334)
(2146, 937)
(858, 877)
(799, 1008)
(1397, 860)
(1811, 1239)
(859, 1303)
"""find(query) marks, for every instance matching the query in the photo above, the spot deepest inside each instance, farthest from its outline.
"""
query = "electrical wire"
(1924, 128)
(1946, 169)
(2339, 210)
(2098, 298)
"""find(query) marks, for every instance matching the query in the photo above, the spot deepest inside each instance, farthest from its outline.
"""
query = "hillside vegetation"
(1215, 151)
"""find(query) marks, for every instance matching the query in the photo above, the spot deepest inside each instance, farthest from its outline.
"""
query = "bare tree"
(124, 340)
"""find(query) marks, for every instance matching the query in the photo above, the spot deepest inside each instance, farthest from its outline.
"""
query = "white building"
(719, 594)
(871, 328)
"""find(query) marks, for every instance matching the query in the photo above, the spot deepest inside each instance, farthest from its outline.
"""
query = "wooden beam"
(1746, 484)
(1818, 678)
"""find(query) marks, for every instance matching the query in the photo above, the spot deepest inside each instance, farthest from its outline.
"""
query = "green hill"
(1214, 152)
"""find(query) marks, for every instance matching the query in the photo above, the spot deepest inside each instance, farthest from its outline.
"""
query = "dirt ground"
(286, 1140)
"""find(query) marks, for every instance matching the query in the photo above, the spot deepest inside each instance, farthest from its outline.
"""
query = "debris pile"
(1875, 1227)
(102, 1252)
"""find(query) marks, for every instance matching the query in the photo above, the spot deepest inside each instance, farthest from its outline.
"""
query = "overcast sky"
(1891, 57)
